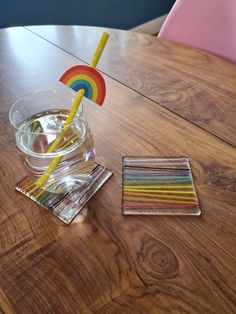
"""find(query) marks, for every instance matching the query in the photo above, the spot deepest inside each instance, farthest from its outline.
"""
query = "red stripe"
(161, 205)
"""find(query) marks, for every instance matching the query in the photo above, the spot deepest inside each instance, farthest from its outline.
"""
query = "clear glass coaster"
(67, 205)
(158, 186)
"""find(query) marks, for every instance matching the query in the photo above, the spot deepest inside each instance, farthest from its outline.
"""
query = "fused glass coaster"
(66, 206)
(158, 186)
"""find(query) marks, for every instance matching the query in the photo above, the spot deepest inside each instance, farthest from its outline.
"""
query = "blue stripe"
(79, 84)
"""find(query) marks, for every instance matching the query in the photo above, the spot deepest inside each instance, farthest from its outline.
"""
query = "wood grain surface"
(193, 84)
(105, 262)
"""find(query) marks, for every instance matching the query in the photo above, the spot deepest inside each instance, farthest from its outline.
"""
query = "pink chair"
(209, 25)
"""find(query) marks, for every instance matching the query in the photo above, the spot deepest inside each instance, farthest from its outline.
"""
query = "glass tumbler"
(38, 118)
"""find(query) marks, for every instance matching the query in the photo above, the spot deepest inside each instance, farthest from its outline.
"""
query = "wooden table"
(162, 100)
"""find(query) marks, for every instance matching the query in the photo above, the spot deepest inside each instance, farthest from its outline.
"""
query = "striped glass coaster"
(158, 186)
(66, 206)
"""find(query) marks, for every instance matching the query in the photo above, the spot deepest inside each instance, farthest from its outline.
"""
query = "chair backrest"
(209, 25)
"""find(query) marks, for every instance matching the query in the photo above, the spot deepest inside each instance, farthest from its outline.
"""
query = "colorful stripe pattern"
(158, 186)
(87, 78)
(66, 206)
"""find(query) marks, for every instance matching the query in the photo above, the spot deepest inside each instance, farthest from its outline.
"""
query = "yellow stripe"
(39, 194)
(163, 196)
(158, 187)
(26, 186)
(160, 191)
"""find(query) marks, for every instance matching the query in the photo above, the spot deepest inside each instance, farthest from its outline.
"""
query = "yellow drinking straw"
(53, 165)
(69, 120)
(99, 50)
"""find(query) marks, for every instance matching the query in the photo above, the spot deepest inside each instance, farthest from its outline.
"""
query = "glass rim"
(78, 114)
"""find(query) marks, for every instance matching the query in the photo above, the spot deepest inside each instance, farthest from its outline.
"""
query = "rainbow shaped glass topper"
(87, 78)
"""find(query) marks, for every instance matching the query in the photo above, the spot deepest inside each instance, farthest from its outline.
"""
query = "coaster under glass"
(158, 186)
(66, 206)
